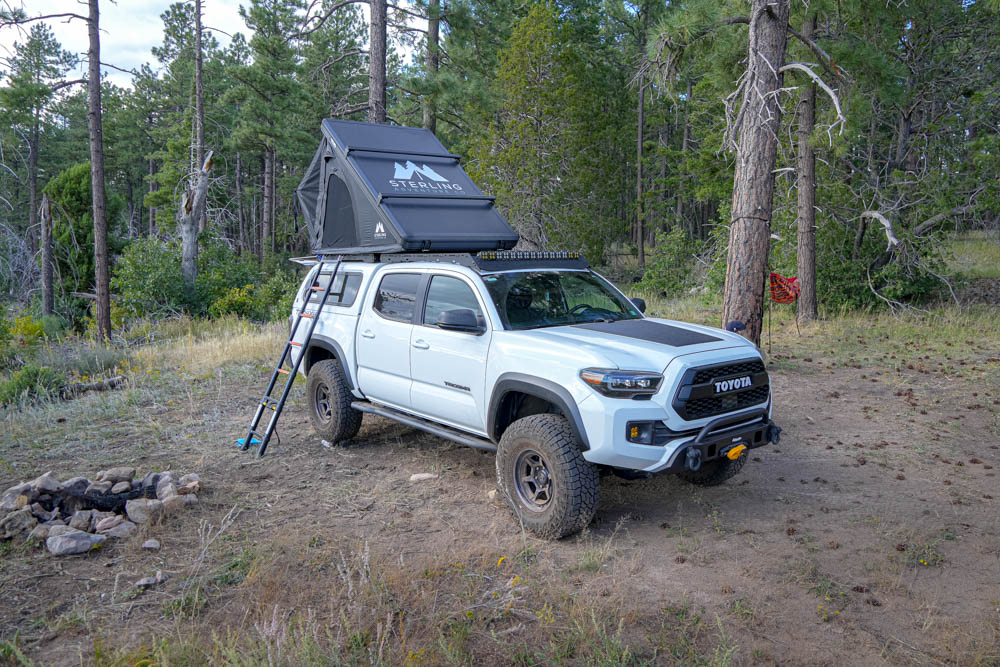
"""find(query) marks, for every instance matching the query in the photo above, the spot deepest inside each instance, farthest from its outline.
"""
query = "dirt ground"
(869, 535)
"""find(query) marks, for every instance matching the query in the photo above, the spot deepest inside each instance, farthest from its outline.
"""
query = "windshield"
(533, 299)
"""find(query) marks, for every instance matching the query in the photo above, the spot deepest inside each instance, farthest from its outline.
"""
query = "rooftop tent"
(385, 188)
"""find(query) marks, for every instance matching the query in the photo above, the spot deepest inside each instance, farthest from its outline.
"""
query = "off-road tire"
(327, 388)
(574, 483)
(715, 472)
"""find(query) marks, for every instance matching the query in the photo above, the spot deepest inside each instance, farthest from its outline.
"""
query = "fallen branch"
(889, 233)
(78, 388)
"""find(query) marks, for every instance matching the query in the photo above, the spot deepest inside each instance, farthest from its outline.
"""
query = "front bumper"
(718, 437)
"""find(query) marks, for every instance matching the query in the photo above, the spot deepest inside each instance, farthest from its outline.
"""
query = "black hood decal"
(654, 332)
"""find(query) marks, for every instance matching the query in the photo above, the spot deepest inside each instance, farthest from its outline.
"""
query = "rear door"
(383, 338)
(449, 367)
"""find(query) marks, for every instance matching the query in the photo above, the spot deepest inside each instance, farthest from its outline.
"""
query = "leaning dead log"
(77, 388)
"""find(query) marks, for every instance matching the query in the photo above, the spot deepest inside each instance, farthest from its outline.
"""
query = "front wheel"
(329, 399)
(541, 472)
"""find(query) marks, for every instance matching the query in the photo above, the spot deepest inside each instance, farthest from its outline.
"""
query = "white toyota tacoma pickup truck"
(536, 357)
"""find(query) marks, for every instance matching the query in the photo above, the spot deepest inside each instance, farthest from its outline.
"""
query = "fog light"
(640, 432)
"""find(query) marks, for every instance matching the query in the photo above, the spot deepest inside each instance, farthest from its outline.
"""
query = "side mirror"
(460, 319)
(639, 303)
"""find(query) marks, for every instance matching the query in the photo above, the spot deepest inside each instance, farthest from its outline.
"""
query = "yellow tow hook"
(735, 452)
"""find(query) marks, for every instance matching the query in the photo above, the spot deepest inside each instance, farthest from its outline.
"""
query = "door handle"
(421, 345)
(367, 333)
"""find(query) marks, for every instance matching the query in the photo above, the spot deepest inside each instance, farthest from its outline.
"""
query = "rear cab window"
(396, 297)
(344, 291)
(449, 293)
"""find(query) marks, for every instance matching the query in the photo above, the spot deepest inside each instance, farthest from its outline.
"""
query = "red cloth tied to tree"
(784, 290)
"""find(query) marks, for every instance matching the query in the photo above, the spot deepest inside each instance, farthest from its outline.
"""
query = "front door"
(449, 367)
(383, 340)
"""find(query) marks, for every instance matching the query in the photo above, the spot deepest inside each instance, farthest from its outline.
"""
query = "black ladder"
(277, 405)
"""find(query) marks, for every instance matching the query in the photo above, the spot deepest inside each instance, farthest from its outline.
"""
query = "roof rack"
(484, 262)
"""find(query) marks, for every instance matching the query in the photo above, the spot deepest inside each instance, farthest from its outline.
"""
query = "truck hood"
(646, 344)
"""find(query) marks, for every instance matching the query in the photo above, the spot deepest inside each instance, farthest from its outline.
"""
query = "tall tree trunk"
(753, 181)
(33, 184)
(239, 202)
(265, 228)
(199, 116)
(193, 199)
(686, 137)
(376, 63)
(48, 300)
(806, 187)
(103, 305)
(640, 231)
(431, 61)
(152, 209)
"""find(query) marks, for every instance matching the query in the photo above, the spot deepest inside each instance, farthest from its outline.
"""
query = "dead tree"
(194, 201)
(48, 305)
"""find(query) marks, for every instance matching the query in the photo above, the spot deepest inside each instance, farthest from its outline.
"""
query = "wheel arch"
(510, 394)
(320, 348)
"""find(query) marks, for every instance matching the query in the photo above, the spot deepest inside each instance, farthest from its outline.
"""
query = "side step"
(439, 430)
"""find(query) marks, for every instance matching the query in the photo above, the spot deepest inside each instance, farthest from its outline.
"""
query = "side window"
(396, 298)
(344, 292)
(446, 293)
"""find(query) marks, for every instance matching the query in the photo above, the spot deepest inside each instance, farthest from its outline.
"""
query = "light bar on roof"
(528, 254)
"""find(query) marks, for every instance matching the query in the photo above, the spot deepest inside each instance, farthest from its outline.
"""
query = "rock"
(8, 503)
(121, 531)
(98, 487)
(42, 514)
(121, 487)
(173, 504)
(146, 582)
(190, 487)
(115, 475)
(73, 542)
(107, 524)
(47, 484)
(150, 480)
(22, 501)
(165, 489)
(39, 533)
(81, 520)
(55, 522)
(141, 510)
(60, 529)
(421, 476)
(151, 545)
(18, 522)
(188, 478)
(101, 516)
(492, 494)
(190, 500)
(76, 486)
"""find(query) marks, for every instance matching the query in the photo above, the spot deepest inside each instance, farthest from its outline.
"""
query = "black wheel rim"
(533, 480)
(322, 403)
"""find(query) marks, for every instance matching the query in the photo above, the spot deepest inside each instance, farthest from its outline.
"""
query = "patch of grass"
(685, 637)
(235, 570)
(199, 349)
(924, 554)
(975, 254)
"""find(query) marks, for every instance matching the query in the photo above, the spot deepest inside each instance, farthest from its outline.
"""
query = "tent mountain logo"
(409, 170)
(379, 230)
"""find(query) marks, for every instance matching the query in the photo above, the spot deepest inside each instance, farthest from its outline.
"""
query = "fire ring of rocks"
(78, 515)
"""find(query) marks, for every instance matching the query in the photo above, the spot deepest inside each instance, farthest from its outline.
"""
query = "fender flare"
(540, 388)
(334, 348)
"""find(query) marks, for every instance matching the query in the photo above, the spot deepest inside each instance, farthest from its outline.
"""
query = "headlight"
(622, 384)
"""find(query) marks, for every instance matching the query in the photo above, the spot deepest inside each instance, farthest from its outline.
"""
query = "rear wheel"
(330, 398)
(715, 472)
(541, 471)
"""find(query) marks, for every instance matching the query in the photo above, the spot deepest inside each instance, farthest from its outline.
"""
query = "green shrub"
(30, 382)
(265, 302)
(669, 263)
(219, 270)
(26, 330)
(147, 279)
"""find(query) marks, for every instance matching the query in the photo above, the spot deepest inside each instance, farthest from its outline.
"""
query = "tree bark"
(640, 231)
(806, 187)
(753, 181)
(152, 209)
(94, 124)
(48, 300)
(431, 61)
(239, 202)
(376, 63)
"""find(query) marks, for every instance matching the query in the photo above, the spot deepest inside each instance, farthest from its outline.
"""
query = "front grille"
(747, 367)
(718, 405)
(696, 397)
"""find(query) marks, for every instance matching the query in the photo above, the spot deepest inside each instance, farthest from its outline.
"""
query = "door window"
(446, 293)
(396, 298)
(345, 289)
